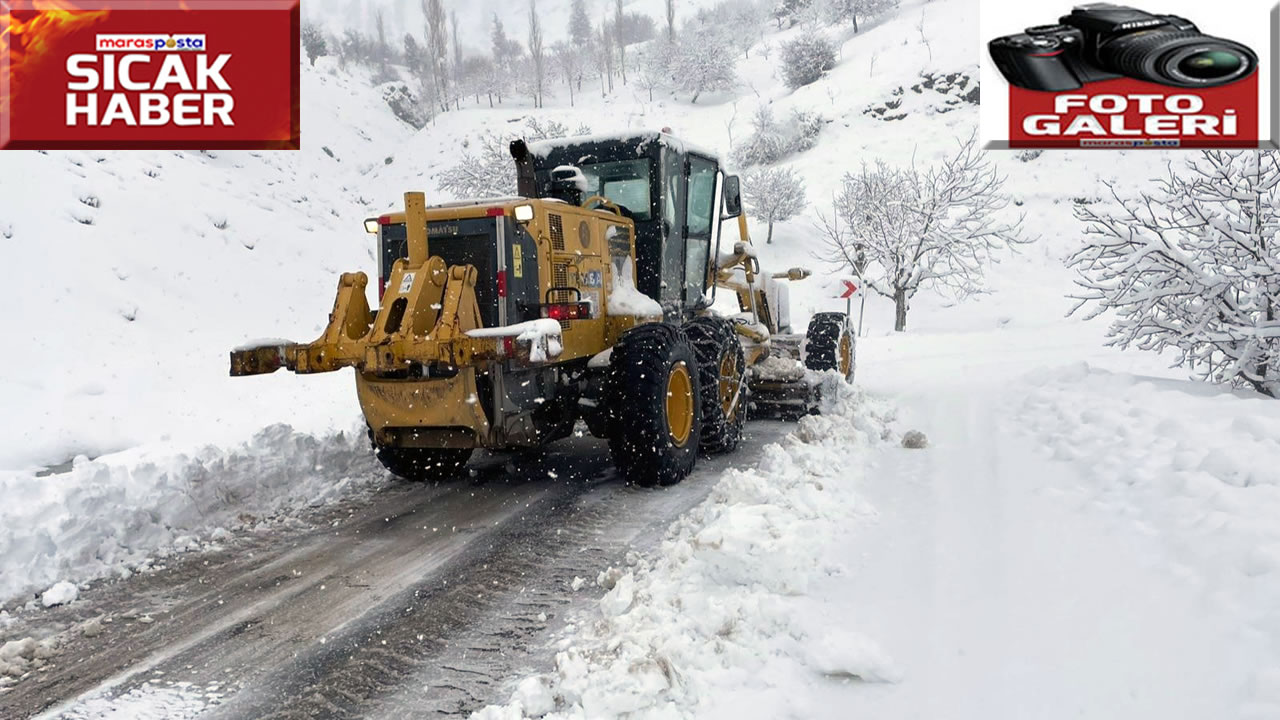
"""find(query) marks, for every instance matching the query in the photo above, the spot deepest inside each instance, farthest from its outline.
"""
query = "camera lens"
(1211, 64)
(1178, 59)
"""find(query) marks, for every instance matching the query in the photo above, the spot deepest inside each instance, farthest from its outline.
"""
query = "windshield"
(625, 182)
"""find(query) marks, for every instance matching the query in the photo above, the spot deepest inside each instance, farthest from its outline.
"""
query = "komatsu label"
(1128, 113)
(167, 75)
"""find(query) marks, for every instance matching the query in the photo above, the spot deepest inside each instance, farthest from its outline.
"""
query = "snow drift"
(731, 606)
(112, 515)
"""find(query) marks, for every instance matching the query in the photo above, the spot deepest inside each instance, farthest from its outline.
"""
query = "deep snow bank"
(1197, 466)
(730, 608)
(113, 514)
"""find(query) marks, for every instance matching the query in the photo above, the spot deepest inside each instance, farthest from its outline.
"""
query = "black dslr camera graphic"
(1103, 42)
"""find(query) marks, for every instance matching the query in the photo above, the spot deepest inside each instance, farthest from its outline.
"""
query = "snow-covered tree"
(603, 57)
(381, 52)
(1194, 267)
(634, 27)
(806, 59)
(437, 51)
(505, 51)
(788, 11)
(474, 75)
(488, 170)
(313, 42)
(537, 54)
(651, 66)
(738, 22)
(903, 230)
(851, 11)
(774, 195)
(701, 62)
(580, 30)
(619, 38)
(571, 62)
(413, 55)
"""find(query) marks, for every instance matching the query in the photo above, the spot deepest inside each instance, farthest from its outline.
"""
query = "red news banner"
(1128, 113)
(149, 74)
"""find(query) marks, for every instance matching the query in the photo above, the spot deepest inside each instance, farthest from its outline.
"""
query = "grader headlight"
(371, 226)
(524, 213)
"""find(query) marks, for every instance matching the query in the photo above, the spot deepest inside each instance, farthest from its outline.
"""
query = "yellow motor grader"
(503, 322)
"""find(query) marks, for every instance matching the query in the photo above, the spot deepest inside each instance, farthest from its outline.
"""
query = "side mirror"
(732, 197)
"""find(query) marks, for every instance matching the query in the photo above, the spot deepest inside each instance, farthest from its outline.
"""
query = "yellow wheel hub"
(679, 404)
(846, 354)
(728, 385)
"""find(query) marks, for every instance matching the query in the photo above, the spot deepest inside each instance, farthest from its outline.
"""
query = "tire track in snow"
(425, 600)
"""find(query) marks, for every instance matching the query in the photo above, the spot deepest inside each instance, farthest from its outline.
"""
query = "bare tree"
(671, 20)
(537, 53)
(936, 228)
(775, 195)
(1194, 267)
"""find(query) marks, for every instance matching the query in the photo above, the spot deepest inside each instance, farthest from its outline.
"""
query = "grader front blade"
(424, 320)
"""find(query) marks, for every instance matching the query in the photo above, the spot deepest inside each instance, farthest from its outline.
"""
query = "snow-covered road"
(999, 583)
(443, 590)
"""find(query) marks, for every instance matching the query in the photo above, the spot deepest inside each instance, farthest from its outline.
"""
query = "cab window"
(625, 182)
(699, 215)
(702, 195)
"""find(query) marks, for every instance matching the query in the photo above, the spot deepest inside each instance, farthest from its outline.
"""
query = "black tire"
(722, 381)
(823, 343)
(424, 464)
(646, 447)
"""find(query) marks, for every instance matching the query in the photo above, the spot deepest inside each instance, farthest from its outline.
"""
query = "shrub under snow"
(772, 140)
(806, 59)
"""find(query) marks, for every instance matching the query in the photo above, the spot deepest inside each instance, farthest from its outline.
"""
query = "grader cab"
(501, 323)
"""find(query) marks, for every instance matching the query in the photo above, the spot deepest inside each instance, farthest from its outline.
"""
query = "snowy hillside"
(148, 267)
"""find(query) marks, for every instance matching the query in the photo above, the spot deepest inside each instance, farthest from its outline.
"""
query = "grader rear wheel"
(655, 418)
(722, 380)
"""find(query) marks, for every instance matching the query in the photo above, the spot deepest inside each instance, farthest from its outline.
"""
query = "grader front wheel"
(829, 344)
(655, 418)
